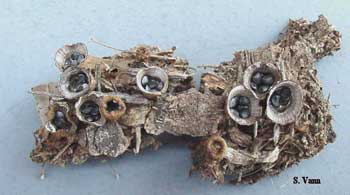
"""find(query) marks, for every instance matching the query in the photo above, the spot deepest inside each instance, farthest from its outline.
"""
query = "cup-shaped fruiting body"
(216, 147)
(88, 109)
(71, 56)
(112, 107)
(284, 102)
(260, 78)
(75, 82)
(242, 106)
(152, 81)
(59, 118)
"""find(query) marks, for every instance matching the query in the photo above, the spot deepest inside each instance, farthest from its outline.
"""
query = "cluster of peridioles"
(264, 82)
(78, 87)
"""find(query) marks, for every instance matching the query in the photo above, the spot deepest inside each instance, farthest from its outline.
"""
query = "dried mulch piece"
(278, 143)
(102, 111)
(252, 117)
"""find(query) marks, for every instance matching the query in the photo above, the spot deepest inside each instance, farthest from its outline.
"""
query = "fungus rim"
(218, 153)
(62, 54)
(292, 112)
(265, 67)
(95, 97)
(256, 109)
(115, 114)
(63, 107)
(155, 72)
(64, 83)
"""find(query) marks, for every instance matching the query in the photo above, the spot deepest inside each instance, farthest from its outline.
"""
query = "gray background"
(204, 32)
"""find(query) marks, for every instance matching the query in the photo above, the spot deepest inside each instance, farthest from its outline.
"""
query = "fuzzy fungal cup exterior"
(112, 107)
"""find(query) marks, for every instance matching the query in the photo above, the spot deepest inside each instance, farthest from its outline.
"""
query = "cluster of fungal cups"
(263, 85)
(78, 86)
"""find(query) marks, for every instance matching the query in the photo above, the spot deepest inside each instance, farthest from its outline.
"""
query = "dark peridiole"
(261, 82)
(152, 84)
(113, 106)
(77, 81)
(75, 59)
(240, 105)
(90, 111)
(60, 121)
(281, 98)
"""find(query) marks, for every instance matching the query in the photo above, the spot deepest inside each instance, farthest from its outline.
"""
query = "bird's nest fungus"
(253, 116)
